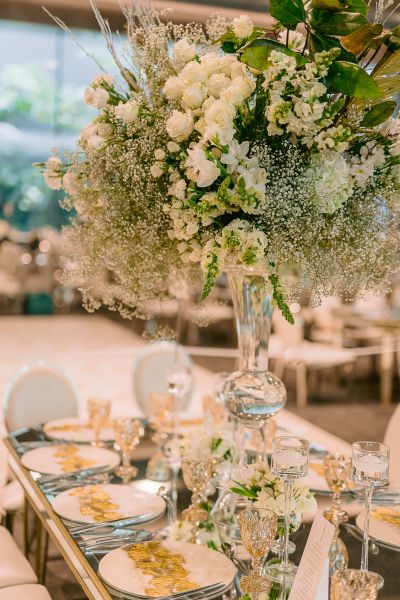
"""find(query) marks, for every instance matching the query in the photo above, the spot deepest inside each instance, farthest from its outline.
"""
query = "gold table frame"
(80, 567)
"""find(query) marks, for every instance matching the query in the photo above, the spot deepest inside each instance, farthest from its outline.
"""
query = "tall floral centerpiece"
(254, 150)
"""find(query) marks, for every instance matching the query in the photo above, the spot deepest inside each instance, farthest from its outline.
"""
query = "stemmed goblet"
(351, 584)
(196, 475)
(370, 468)
(98, 413)
(258, 528)
(127, 437)
(337, 470)
(289, 462)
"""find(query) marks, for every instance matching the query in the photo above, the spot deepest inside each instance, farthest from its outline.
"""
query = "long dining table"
(98, 355)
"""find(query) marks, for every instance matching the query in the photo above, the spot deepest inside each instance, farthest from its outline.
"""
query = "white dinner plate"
(381, 529)
(203, 567)
(73, 429)
(107, 502)
(67, 458)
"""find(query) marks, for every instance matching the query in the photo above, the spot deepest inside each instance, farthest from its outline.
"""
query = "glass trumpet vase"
(252, 393)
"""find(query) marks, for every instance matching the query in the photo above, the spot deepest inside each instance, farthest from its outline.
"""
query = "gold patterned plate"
(107, 502)
(164, 568)
(67, 458)
(74, 429)
(384, 524)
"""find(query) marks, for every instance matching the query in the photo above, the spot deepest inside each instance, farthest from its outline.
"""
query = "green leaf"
(288, 12)
(340, 23)
(257, 53)
(357, 41)
(350, 79)
(242, 492)
(332, 5)
(358, 6)
(378, 113)
(322, 42)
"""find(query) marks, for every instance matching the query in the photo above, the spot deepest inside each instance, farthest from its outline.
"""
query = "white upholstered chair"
(150, 371)
(392, 439)
(25, 592)
(38, 393)
(14, 567)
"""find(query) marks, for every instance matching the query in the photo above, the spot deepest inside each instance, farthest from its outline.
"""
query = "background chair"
(150, 371)
(392, 439)
(39, 392)
(28, 592)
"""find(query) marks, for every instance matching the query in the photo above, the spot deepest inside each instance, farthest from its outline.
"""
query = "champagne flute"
(258, 528)
(127, 436)
(289, 462)
(351, 584)
(337, 469)
(98, 413)
(370, 468)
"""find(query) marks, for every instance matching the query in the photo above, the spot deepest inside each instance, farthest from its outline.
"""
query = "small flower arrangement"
(257, 483)
(200, 445)
(234, 145)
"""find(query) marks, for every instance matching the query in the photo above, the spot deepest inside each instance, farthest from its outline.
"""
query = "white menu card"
(310, 580)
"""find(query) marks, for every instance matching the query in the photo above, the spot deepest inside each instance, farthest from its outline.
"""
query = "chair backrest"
(38, 393)
(150, 372)
(392, 439)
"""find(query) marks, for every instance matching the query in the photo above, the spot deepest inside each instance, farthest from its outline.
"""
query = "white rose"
(242, 26)
(89, 130)
(103, 78)
(238, 91)
(100, 98)
(104, 129)
(179, 125)
(127, 111)
(173, 147)
(183, 51)
(69, 183)
(159, 154)
(192, 73)
(156, 170)
(238, 69)
(88, 95)
(219, 121)
(53, 180)
(173, 88)
(296, 39)
(178, 189)
(193, 96)
(210, 63)
(94, 141)
(217, 83)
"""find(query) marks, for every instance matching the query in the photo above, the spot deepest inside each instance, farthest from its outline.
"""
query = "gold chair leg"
(43, 570)
(38, 547)
(26, 527)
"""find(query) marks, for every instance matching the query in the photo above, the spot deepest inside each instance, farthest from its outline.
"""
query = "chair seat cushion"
(14, 568)
(29, 592)
(13, 496)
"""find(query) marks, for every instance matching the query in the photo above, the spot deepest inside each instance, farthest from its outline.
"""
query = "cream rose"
(193, 96)
(217, 83)
(100, 98)
(103, 78)
(240, 89)
(183, 51)
(210, 62)
(127, 111)
(218, 119)
(179, 125)
(173, 88)
(69, 183)
(192, 73)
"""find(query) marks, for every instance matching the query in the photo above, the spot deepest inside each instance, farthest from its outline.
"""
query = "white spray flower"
(242, 26)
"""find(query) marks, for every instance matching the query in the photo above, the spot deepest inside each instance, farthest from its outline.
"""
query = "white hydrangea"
(332, 180)
(242, 26)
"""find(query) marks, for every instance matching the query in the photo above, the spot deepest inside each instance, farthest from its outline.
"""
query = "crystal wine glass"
(370, 468)
(127, 436)
(258, 530)
(351, 584)
(289, 462)
(180, 386)
(98, 413)
(337, 469)
(196, 475)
